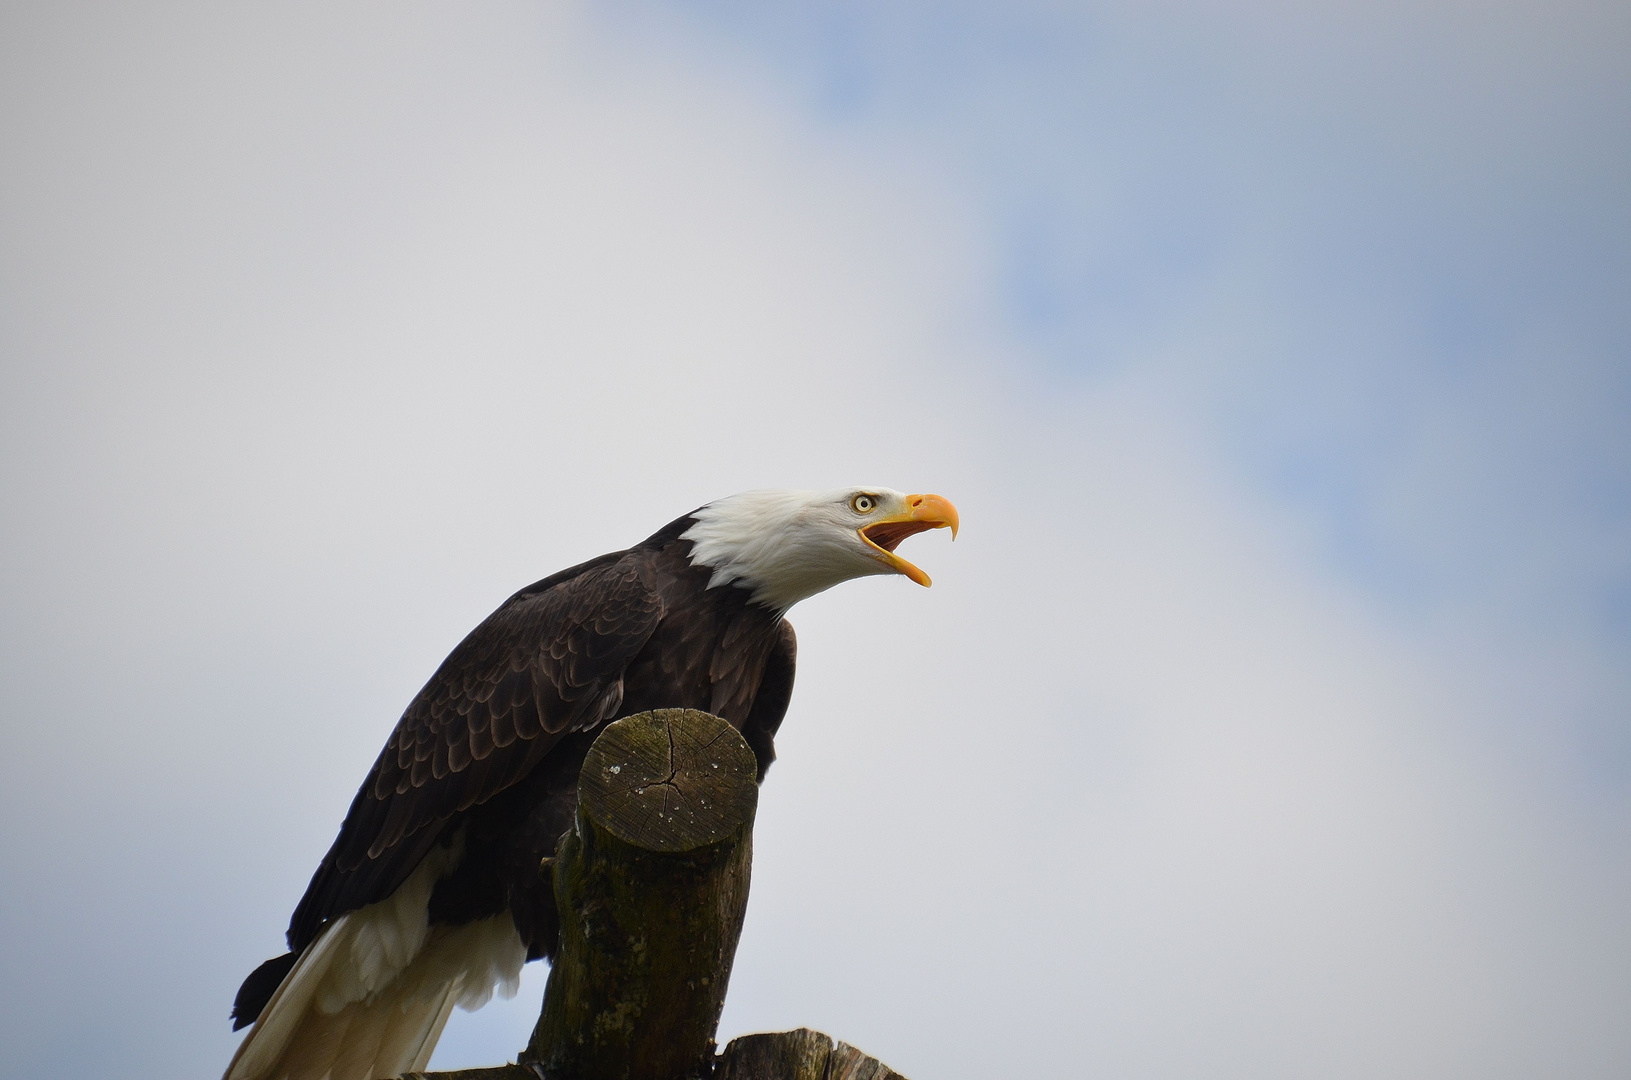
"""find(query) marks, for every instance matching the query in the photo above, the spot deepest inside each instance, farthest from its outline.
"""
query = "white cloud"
(332, 330)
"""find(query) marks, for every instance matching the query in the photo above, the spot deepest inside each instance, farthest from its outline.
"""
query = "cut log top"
(671, 780)
(797, 1055)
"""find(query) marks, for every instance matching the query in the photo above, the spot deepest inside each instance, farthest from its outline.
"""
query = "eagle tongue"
(889, 534)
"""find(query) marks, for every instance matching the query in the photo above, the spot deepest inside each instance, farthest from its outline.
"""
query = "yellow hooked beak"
(922, 513)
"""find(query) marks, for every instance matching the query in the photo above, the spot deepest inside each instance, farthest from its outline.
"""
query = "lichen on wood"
(652, 885)
(800, 1054)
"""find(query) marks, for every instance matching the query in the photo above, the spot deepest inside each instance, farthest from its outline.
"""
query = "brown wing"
(772, 695)
(547, 662)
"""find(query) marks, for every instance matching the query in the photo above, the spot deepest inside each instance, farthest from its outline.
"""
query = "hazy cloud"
(1269, 717)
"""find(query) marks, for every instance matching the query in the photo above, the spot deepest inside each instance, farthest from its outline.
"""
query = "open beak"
(922, 513)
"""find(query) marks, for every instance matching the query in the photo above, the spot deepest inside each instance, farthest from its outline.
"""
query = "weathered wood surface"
(783, 1055)
(652, 886)
(797, 1055)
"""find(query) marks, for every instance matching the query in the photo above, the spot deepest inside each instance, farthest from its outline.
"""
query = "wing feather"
(548, 662)
(774, 692)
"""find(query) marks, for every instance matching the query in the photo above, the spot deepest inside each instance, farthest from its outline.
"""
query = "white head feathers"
(786, 546)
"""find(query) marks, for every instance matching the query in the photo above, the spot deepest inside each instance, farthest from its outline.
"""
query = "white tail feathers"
(369, 998)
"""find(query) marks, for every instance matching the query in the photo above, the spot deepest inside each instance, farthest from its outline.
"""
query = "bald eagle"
(429, 896)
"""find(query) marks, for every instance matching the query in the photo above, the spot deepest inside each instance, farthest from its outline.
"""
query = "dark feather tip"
(258, 989)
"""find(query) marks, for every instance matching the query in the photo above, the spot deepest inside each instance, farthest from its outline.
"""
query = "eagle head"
(785, 546)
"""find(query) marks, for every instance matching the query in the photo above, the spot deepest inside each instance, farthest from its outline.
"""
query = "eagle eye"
(863, 504)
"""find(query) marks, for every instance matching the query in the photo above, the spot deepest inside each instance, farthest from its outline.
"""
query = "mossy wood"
(652, 885)
(797, 1055)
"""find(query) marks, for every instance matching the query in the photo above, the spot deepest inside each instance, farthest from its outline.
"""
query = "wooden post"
(652, 884)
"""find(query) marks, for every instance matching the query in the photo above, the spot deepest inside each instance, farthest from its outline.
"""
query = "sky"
(1271, 714)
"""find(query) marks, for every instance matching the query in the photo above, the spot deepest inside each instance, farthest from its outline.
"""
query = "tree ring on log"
(671, 781)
